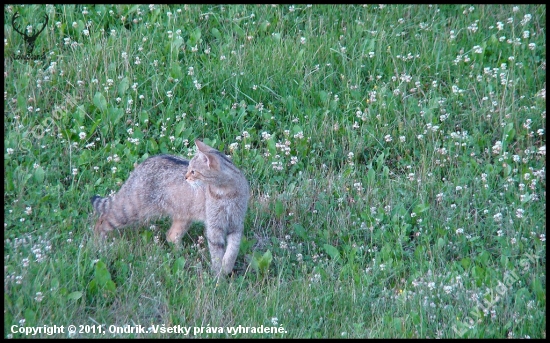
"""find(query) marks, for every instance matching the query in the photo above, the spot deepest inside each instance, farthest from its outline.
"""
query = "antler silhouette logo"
(29, 39)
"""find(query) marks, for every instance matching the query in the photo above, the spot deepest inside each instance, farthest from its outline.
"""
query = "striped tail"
(101, 205)
(103, 224)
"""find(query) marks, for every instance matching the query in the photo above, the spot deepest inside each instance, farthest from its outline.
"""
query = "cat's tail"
(107, 217)
(101, 205)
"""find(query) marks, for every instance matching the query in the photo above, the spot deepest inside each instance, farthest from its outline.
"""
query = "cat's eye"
(192, 172)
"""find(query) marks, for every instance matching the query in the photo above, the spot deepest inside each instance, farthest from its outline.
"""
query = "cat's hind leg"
(177, 230)
(103, 226)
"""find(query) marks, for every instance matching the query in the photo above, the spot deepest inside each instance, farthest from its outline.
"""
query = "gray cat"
(209, 188)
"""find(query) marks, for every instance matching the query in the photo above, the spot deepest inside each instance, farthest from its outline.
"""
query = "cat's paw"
(173, 236)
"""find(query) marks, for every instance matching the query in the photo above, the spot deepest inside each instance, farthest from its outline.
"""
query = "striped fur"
(208, 188)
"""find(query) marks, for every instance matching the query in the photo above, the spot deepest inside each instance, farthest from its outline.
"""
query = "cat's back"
(162, 166)
(160, 180)
(157, 174)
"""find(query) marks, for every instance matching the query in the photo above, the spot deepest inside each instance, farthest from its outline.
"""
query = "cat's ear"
(202, 147)
(210, 158)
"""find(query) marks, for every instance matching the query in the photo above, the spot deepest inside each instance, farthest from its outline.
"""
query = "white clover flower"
(519, 213)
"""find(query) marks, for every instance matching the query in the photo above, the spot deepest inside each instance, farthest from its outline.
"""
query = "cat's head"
(206, 166)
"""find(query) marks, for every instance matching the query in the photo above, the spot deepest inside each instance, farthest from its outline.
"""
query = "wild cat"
(209, 188)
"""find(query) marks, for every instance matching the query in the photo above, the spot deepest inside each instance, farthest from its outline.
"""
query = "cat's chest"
(227, 205)
(223, 206)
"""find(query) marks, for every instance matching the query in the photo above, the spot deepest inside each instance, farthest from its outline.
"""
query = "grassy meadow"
(396, 158)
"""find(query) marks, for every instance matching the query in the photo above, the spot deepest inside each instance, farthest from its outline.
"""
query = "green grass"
(396, 157)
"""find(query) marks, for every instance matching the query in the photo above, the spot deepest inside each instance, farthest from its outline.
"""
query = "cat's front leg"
(216, 244)
(232, 250)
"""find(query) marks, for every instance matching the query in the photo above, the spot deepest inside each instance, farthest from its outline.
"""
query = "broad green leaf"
(146, 236)
(216, 33)
(123, 86)
(332, 251)
(175, 70)
(84, 157)
(115, 114)
(74, 295)
(110, 286)
(30, 317)
(368, 45)
(80, 113)
(380, 161)
(176, 43)
(100, 102)
(179, 264)
(143, 117)
(300, 231)
(153, 146)
(55, 283)
(195, 36)
(509, 133)
(39, 175)
(264, 25)
(179, 128)
(239, 31)
(539, 288)
(398, 324)
(385, 172)
(102, 274)
(323, 96)
(265, 261)
(421, 208)
(279, 209)
(371, 174)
